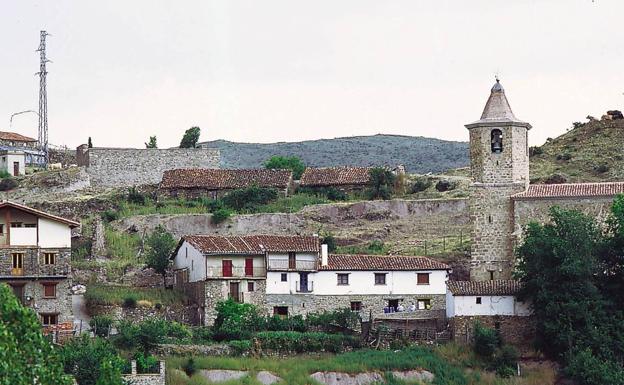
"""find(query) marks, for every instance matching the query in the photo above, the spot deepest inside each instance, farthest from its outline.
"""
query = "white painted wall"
(281, 259)
(360, 282)
(490, 305)
(190, 258)
(23, 236)
(52, 234)
(6, 163)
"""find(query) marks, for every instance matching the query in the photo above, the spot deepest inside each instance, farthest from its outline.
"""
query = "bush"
(190, 367)
(235, 321)
(601, 168)
(101, 325)
(84, 358)
(556, 179)
(240, 347)
(4, 174)
(248, 199)
(297, 342)
(286, 162)
(588, 369)
(421, 184)
(376, 246)
(485, 341)
(505, 361)
(328, 320)
(445, 185)
(146, 363)
(7, 184)
(135, 197)
(130, 302)
(535, 151)
(220, 215)
(202, 334)
(329, 240)
(565, 156)
(110, 215)
(381, 183)
(333, 194)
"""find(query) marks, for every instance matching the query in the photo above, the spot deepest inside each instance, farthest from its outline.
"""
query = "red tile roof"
(335, 176)
(15, 137)
(217, 179)
(571, 190)
(381, 262)
(253, 244)
(496, 287)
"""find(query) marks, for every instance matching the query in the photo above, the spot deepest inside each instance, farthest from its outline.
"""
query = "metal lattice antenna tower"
(43, 97)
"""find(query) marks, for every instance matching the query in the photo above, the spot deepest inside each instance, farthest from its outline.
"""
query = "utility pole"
(43, 98)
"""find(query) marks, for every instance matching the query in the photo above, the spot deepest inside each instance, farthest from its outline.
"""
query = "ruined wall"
(515, 330)
(119, 167)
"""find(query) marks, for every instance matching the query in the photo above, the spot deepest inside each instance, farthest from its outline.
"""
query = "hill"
(418, 154)
(590, 152)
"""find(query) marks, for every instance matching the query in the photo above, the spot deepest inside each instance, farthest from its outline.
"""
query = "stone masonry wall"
(119, 167)
(135, 378)
(516, 330)
(218, 290)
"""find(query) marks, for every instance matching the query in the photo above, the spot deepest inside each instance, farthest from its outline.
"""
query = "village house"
(17, 145)
(13, 162)
(35, 255)
(213, 268)
(493, 304)
(345, 178)
(214, 183)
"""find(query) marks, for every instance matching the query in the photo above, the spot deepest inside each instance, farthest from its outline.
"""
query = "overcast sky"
(287, 70)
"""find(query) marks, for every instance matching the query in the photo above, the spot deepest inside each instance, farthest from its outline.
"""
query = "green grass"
(99, 294)
(120, 244)
(290, 204)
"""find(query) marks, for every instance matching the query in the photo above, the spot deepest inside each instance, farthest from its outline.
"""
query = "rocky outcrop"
(337, 378)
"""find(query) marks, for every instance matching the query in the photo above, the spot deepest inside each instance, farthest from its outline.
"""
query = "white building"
(13, 162)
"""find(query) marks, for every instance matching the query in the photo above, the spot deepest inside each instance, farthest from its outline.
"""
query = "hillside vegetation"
(418, 154)
(589, 152)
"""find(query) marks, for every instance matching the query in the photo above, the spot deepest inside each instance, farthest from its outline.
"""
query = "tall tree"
(151, 143)
(293, 163)
(26, 356)
(190, 138)
(381, 183)
(160, 245)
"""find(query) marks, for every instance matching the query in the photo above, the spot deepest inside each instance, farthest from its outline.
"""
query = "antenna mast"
(43, 98)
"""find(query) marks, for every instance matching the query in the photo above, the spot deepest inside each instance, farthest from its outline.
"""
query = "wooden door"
(235, 291)
(303, 282)
(16, 168)
(226, 265)
(249, 267)
(18, 291)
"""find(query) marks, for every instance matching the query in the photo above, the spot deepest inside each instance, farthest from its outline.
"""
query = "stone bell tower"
(499, 161)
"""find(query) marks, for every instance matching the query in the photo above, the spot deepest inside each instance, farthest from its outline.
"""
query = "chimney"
(324, 256)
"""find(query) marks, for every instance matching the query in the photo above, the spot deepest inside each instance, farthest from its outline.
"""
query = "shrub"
(146, 363)
(84, 358)
(333, 194)
(135, 197)
(601, 168)
(330, 241)
(235, 321)
(505, 361)
(7, 184)
(535, 151)
(220, 215)
(101, 325)
(297, 342)
(130, 302)
(565, 156)
(189, 367)
(4, 174)
(202, 334)
(421, 184)
(485, 341)
(556, 179)
(293, 163)
(179, 331)
(110, 215)
(342, 318)
(240, 347)
(445, 185)
(248, 199)
(376, 246)
(588, 369)
(381, 183)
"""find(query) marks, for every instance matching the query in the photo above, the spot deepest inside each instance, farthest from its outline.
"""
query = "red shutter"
(227, 268)
(249, 267)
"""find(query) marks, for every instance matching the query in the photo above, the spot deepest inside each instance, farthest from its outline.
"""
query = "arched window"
(497, 141)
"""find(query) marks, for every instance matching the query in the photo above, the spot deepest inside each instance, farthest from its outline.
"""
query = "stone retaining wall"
(515, 330)
(135, 378)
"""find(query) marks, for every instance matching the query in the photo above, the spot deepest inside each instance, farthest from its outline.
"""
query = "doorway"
(16, 168)
(235, 291)
(393, 304)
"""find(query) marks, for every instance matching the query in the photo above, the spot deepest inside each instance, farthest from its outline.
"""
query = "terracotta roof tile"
(253, 244)
(381, 262)
(496, 287)
(13, 136)
(335, 176)
(571, 190)
(217, 179)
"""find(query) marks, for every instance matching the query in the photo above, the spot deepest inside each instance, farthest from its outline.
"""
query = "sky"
(290, 70)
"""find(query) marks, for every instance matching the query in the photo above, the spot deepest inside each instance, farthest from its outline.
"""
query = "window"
(497, 141)
(49, 258)
(18, 291)
(380, 278)
(491, 275)
(17, 260)
(292, 261)
(422, 278)
(226, 266)
(343, 279)
(478, 300)
(30, 225)
(284, 277)
(186, 252)
(280, 311)
(49, 290)
(356, 305)
(192, 264)
(424, 304)
(16, 224)
(250, 286)
(49, 319)
(2, 229)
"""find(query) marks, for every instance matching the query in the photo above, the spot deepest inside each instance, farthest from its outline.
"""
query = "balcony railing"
(235, 272)
(284, 264)
(303, 287)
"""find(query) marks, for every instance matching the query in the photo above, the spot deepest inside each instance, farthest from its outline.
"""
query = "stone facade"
(29, 283)
(515, 330)
(372, 304)
(135, 378)
(119, 167)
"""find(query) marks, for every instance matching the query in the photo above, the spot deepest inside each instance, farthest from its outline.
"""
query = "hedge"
(297, 342)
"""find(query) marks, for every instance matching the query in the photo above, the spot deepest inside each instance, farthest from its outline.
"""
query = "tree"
(190, 138)
(89, 143)
(381, 183)
(293, 163)
(92, 361)
(160, 245)
(26, 356)
(151, 143)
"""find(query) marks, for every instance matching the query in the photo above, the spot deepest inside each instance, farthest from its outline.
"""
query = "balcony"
(304, 287)
(284, 264)
(235, 272)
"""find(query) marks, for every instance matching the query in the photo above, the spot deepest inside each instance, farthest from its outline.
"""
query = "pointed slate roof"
(497, 110)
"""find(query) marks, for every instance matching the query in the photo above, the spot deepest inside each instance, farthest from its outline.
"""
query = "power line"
(43, 97)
